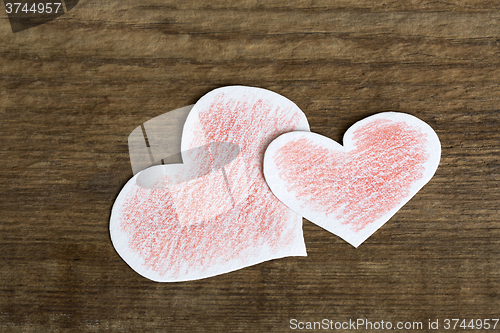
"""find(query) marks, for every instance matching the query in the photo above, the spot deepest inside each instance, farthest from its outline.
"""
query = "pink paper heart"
(352, 190)
(165, 238)
(163, 204)
(211, 181)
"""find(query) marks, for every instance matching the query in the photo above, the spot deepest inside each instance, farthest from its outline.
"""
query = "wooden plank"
(73, 89)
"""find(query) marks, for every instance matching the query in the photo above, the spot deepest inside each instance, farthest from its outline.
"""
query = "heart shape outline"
(294, 196)
(243, 236)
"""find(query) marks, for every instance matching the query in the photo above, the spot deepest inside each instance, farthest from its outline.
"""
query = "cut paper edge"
(213, 174)
(196, 132)
(182, 256)
(199, 162)
(134, 260)
(279, 187)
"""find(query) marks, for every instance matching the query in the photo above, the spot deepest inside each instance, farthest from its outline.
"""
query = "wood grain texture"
(73, 89)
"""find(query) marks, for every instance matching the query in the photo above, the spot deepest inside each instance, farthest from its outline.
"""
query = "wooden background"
(73, 89)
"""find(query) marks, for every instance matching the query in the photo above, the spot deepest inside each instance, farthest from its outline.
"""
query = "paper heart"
(211, 180)
(352, 190)
(257, 228)
(261, 227)
(175, 197)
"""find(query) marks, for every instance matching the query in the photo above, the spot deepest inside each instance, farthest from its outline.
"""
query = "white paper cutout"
(205, 176)
(352, 190)
(250, 117)
(258, 228)
(212, 181)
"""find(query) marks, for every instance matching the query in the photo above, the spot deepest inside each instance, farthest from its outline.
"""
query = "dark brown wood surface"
(72, 90)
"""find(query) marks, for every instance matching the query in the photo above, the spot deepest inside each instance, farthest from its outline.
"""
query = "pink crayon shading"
(151, 220)
(359, 186)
